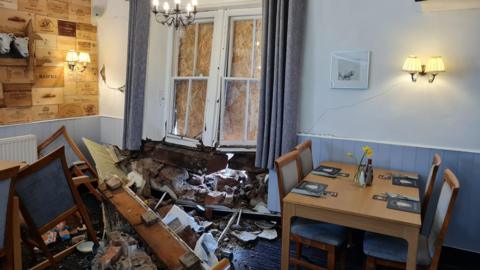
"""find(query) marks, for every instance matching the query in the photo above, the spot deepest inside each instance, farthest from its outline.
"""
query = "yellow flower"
(368, 150)
(349, 154)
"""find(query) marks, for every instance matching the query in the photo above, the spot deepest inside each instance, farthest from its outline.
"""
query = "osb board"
(48, 77)
(11, 4)
(186, 50)
(12, 21)
(44, 112)
(34, 6)
(258, 49)
(205, 37)
(66, 110)
(46, 24)
(242, 48)
(79, 13)
(47, 96)
(197, 109)
(15, 115)
(254, 102)
(17, 95)
(234, 114)
(181, 96)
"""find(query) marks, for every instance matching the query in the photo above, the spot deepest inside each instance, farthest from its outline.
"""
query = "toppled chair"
(49, 196)
(7, 211)
(78, 164)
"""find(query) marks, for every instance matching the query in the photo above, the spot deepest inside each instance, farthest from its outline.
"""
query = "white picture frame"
(350, 69)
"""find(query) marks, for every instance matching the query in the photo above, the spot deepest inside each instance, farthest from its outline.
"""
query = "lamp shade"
(412, 64)
(435, 65)
(72, 56)
(84, 57)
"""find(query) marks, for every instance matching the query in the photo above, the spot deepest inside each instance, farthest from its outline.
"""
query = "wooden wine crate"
(86, 46)
(66, 43)
(81, 99)
(87, 88)
(66, 110)
(48, 77)
(86, 31)
(44, 112)
(47, 96)
(86, 3)
(67, 28)
(57, 9)
(49, 57)
(17, 95)
(34, 6)
(46, 24)
(10, 4)
(15, 115)
(2, 100)
(12, 21)
(79, 13)
(17, 75)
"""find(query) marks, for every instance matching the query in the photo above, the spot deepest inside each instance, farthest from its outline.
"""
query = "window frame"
(214, 105)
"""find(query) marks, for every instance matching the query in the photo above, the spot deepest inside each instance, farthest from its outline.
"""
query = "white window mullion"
(254, 38)
(195, 50)
(187, 110)
(247, 105)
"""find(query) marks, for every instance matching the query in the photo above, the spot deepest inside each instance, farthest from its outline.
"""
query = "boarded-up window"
(194, 49)
(241, 93)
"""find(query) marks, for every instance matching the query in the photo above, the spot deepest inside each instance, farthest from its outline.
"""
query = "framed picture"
(350, 69)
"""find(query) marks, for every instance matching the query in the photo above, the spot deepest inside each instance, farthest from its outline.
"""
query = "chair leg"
(298, 254)
(94, 191)
(331, 258)
(370, 263)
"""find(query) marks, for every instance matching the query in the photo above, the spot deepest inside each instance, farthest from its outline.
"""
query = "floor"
(265, 255)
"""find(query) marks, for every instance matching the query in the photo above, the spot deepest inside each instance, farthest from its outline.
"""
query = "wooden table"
(354, 208)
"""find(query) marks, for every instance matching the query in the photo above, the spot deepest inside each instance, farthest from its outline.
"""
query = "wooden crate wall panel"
(44, 24)
(58, 9)
(17, 95)
(49, 77)
(33, 6)
(15, 115)
(44, 112)
(10, 4)
(47, 96)
(49, 89)
(12, 21)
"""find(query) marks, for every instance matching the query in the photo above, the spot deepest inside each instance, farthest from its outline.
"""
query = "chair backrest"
(288, 172)
(443, 214)
(58, 139)
(436, 162)
(306, 158)
(6, 195)
(46, 191)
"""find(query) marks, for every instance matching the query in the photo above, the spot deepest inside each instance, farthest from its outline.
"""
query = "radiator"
(19, 148)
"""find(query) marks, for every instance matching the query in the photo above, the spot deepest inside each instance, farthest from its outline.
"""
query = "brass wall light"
(413, 66)
(77, 60)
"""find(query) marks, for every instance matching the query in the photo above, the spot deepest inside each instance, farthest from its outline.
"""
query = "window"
(214, 89)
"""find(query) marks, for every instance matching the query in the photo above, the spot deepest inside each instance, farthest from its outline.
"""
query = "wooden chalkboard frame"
(4, 175)
(79, 207)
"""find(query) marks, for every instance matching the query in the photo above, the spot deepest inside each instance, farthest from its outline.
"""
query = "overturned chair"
(82, 171)
(48, 196)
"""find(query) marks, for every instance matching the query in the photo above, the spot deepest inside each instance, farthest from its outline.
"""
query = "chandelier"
(176, 16)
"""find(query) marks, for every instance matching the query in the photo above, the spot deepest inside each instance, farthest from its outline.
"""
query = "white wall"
(443, 114)
(112, 42)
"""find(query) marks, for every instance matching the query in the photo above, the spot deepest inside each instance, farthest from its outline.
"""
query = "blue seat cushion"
(394, 249)
(320, 232)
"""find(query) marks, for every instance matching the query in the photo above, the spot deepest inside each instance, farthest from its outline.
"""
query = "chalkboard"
(4, 195)
(45, 193)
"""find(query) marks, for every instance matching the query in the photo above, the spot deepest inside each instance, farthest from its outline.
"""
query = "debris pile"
(122, 253)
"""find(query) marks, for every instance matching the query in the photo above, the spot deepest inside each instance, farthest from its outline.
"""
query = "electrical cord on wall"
(346, 106)
(104, 78)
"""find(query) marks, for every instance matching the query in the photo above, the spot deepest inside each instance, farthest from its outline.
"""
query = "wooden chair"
(392, 252)
(77, 162)
(323, 236)
(48, 196)
(6, 219)
(430, 183)
(306, 158)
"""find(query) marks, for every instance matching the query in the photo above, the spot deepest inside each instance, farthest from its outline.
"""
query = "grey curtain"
(281, 74)
(138, 30)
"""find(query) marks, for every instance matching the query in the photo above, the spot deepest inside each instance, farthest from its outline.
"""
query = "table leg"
(286, 219)
(412, 239)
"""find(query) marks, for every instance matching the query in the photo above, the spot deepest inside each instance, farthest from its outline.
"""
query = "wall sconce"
(414, 66)
(77, 61)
